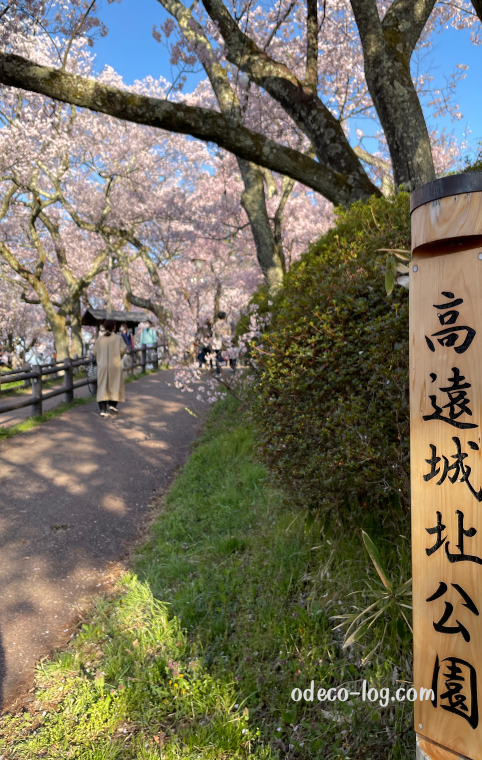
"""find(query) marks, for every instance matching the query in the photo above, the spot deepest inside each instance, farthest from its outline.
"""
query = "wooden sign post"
(446, 465)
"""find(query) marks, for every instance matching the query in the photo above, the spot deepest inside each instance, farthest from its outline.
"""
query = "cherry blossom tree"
(35, 240)
(21, 324)
(175, 219)
(79, 188)
(365, 49)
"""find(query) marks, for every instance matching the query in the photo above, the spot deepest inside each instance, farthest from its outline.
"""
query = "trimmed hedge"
(331, 407)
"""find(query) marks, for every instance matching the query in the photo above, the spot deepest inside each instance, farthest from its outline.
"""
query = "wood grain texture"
(460, 274)
(455, 217)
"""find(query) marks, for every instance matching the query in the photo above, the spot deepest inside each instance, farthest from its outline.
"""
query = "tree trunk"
(253, 200)
(387, 49)
(76, 344)
(61, 339)
(217, 302)
(400, 113)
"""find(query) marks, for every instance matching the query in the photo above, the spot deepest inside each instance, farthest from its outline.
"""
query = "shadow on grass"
(231, 607)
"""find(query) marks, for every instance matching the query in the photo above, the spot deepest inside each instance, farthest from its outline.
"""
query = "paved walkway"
(73, 493)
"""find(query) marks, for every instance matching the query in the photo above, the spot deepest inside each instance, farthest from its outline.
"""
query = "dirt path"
(73, 493)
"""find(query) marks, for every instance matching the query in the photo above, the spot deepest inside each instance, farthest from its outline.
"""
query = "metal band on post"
(429, 751)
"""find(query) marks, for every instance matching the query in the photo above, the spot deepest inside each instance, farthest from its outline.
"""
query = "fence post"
(143, 358)
(37, 391)
(68, 381)
(155, 357)
(27, 368)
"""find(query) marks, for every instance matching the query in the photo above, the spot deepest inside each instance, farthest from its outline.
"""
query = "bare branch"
(382, 166)
(74, 34)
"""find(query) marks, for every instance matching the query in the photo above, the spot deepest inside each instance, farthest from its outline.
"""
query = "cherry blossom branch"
(298, 100)
(74, 34)
(203, 123)
(278, 25)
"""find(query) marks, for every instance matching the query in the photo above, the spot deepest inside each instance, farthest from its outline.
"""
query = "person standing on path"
(126, 336)
(221, 338)
(109, 351)
(149, 340)
(203, 337)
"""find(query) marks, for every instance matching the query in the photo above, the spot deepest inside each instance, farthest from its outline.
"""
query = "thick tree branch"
(286, 188)
(61, 254)
(387, 48)
(406, 19)
(193, 33)
(202, 123)
(5, 204)
(311, 76)
(297, 98)
(478, 8)
(142, 303)
(37, 243)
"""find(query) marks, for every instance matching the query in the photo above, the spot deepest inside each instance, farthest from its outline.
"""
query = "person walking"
(126, 336)
(109, 351)
(221, 338)
(203, 337)
(149, 340)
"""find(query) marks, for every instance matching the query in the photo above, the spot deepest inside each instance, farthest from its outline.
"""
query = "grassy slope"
(229, 610)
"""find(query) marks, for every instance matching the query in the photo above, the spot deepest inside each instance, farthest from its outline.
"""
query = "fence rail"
(34, 375)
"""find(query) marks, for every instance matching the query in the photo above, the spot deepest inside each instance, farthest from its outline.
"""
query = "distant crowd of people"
(38, 353)
(111, 354)
(214, 343)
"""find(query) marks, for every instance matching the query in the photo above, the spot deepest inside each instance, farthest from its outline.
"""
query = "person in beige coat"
(108, 351)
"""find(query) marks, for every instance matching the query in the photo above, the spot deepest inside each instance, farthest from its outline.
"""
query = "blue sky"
(132, 51)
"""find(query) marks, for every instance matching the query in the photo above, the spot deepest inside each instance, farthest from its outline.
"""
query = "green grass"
(230, 606)
(10, 386)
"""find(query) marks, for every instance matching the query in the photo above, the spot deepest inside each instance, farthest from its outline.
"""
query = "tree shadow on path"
(73, 493)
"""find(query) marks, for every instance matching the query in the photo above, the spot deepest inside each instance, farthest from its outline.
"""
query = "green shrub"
(331, 407)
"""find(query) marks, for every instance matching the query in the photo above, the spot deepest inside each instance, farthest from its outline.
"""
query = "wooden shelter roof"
(96, 317)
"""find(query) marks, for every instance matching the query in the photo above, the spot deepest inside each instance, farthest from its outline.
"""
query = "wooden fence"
(35, 375)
